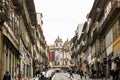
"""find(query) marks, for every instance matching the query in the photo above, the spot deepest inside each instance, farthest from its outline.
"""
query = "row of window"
(14, 21)
(111, 35)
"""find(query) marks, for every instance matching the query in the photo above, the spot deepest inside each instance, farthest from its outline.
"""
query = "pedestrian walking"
(42, 77)
(113, 74)
(102, 74)
(81, 73)
(14, 76)
(19, 76)
(7, 76)
(71, 75)
(93, 74)
(85, 75)
(117, 74)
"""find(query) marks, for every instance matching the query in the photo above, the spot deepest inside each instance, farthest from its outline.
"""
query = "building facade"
(19, 48)
(66, 54)
(60, 54)
(51, 55)
(100, 38)
(58, 51)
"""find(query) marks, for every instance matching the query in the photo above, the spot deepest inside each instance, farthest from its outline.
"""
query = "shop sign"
(116, 44)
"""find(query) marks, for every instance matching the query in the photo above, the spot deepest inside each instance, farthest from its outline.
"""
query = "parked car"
(43, 73)
(49, 74)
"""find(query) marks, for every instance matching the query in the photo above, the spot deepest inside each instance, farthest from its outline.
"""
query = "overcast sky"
(61, 17)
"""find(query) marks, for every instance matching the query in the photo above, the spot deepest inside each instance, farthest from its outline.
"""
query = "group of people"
(82, 74)
(8, 77)
(115, 74)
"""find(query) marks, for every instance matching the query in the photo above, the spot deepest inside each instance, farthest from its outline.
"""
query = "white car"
(43, 73)
(49, 73)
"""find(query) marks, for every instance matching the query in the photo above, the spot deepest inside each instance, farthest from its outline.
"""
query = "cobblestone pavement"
(77, 77)
(66, 76)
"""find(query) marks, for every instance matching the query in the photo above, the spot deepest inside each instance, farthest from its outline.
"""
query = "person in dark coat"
(81, 73)
(7, 76)
(85, 75)
(42, 77)
(71, 75)
(93, 74)
(113, 74)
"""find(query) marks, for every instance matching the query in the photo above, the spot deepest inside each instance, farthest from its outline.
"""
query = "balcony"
(81, 46)
(86, 45)
(32, 13)
(94, 37)
(18, 6)
(114, 11)
(3, 12)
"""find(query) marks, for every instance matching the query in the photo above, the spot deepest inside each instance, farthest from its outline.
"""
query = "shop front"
(116, 52)
(11, 58)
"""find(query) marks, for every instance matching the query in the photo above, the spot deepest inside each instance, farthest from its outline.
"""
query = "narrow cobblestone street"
(66, 76)
(87, 78)
(78, 36)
